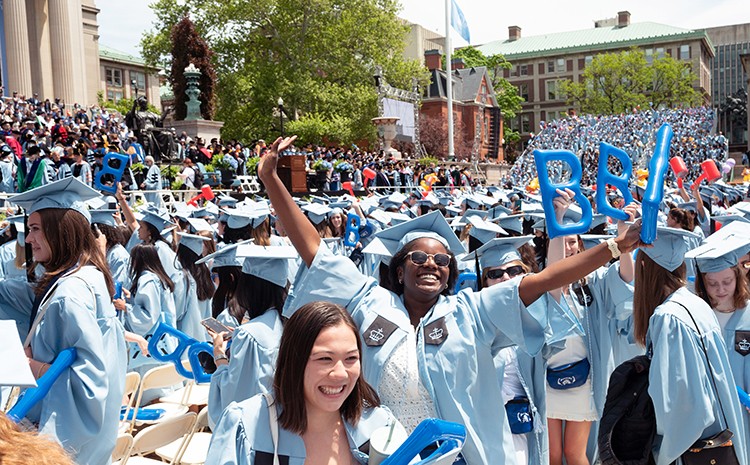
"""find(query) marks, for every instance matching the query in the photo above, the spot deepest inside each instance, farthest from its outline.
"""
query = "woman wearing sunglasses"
(594, 299)
(451, 374)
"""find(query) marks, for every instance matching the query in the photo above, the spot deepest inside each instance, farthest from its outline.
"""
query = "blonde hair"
(21, 447)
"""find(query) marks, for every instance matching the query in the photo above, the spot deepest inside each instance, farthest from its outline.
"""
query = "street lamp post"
(134, 85)
(280, 102)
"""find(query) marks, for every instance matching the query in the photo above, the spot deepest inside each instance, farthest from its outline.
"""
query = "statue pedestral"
(194, 124)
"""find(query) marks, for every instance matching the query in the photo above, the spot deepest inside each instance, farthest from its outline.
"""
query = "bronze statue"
(148, 129)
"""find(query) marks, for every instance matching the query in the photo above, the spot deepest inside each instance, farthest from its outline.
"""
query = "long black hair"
(144, 257)
(254, 295)
(200, 273)
(228, 276)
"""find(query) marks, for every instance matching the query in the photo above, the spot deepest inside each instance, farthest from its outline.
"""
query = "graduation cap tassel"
(478, 271)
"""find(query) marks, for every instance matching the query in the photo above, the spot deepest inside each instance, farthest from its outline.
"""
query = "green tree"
(318, 56)
(618, 82)
(506, 93)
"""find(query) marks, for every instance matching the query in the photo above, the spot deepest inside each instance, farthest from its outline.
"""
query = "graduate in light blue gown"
(665, 314)
(199, 289)
(318, 399)
(105, 229)
(451, 374)
(247, 368)
(723, 285)
(150, 302)
(73, 308)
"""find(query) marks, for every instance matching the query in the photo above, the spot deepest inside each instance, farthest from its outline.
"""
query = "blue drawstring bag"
(568, 376)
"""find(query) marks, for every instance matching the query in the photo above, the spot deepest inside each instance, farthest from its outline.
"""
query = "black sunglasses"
(418, 257)
(511, 271)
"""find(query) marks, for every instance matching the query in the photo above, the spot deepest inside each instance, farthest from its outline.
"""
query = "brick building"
(541, 62)
(474, 105)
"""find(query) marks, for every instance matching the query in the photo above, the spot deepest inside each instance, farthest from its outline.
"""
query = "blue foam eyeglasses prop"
(31, 396)
(463, 281)
(351, 236)
(451, 435)
(107, 168)
(185, 345)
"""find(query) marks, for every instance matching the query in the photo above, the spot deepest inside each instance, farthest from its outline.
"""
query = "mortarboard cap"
(715, 256)
(157, 217)
(66, 194)
(317, 212)
(499, 251)
(670, 246)
(103, 217)
(484, 230)
(225, 256)
(193, 242)
(270, 263)
(432, 225)
(199, 224)
(511, 222)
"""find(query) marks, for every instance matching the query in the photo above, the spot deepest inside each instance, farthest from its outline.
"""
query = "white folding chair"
(159, 377)
(190, 394)
(155, 436)
(194, 449)
(132, 381)
(122, 449)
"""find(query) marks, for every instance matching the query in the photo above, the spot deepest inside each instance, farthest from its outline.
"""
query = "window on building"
(649, 55)
(588, 59)
(684, 52)
(551, 66)
(523, 70)
(560, 65)
(523, 91)
(660, 52)
(139, 78)
(113, 77)
(114, 95)
(553, 90)
(525, 123)
(555, 114)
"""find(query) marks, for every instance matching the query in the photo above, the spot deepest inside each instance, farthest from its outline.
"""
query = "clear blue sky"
(121, 23)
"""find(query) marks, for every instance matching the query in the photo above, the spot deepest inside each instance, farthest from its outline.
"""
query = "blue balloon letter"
(655, 187)
(554, 229)
(604, 177)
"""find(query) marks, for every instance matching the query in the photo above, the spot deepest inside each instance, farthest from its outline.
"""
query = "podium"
(291, 170)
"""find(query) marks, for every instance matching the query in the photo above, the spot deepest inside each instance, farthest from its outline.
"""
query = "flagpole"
(449, 78)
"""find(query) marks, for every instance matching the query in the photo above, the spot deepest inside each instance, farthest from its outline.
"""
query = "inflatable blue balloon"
(451, 436)
(604, 177)
(121, 161)
(199, 375)
(31, 396)
(463, 281)
(547, 189)
(654, 194)
(351, 235)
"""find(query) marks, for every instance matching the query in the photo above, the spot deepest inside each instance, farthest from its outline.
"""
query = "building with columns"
(50, 48)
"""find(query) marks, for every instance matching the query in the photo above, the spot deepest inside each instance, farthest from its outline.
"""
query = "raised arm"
(130, 219)
(300, 231)
(577, 266)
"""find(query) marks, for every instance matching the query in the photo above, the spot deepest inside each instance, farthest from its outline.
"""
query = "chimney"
(432, 59)
(514, 33)
(623, 19)
(457, 63)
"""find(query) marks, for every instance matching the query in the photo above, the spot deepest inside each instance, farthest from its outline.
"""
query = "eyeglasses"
(511, 271)
(418, 257)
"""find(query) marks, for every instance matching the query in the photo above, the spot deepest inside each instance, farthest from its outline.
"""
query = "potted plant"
(252, 166)
(168, 175)
(344, 168)
(220, 164)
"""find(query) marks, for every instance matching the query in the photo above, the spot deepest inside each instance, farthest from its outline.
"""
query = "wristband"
(612, 246)
(221, 357)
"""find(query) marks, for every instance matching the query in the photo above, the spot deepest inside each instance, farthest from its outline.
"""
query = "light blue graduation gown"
(82, 409)
(243, 436)
(153, 183)
(685, 401)
(174, 270)
(118, 259)
(252, 363)
(191, 311)
(456, 342)
(152, 303)
(16, 301)
(737, 339)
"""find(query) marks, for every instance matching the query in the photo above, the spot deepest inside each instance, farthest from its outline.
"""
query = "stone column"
(17, 47)
(65, 39)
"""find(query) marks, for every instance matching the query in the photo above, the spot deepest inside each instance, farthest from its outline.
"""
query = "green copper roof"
(116, 55)
(595, 39)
